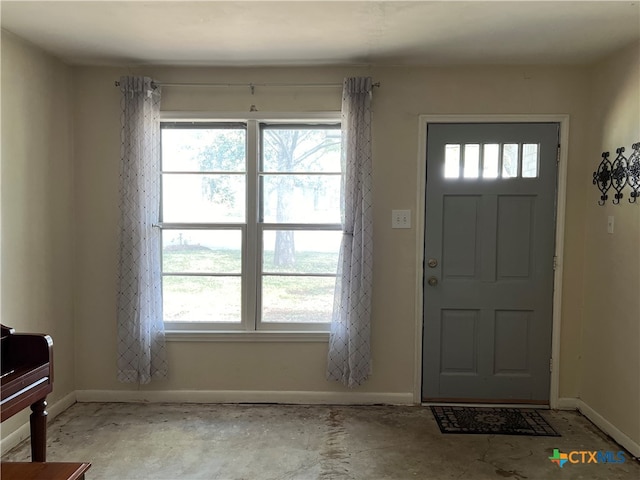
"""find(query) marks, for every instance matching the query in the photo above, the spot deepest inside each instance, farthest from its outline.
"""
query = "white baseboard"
(607, 427)
(244, 396)
(23, 432)
(569, 403)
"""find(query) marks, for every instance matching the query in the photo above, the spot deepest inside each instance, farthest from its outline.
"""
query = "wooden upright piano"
(27, 379)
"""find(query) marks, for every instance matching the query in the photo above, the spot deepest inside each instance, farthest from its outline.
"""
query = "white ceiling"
(217, 33)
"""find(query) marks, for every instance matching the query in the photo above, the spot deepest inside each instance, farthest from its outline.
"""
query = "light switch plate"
(400, 218)
(610, 224)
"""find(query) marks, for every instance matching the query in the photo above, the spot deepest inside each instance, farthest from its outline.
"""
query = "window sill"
(234, 336)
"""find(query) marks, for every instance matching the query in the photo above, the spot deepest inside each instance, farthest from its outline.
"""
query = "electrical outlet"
(400, 218)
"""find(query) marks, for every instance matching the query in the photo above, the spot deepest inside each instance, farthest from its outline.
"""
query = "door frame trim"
(563, 121)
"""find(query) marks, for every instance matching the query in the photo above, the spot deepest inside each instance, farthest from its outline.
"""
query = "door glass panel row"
(491, 160)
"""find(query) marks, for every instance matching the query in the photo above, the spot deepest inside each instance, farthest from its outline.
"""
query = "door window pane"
(490, 160)
(529, 160)
(471, 160)
(510, 160)
(452, 161)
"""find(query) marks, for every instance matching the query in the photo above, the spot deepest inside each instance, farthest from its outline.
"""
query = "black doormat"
(492, 421)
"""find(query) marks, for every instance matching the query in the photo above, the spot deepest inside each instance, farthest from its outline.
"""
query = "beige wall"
(405, 94)
(37, 205)
(611, 324)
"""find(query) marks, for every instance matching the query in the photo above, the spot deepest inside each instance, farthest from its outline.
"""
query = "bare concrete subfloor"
(274, 442)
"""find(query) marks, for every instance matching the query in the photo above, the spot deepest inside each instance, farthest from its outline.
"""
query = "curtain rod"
(251, 86)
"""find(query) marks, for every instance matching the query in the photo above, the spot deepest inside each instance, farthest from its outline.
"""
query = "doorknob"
(432, 262)
(433, 281)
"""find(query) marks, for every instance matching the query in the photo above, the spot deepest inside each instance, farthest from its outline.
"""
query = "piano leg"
(38, 423)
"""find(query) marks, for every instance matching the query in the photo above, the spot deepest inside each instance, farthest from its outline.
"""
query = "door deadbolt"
(432, 262)
(433, 281)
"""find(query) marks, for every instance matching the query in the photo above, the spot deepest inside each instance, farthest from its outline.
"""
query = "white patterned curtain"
(349, 359)
(141, 343)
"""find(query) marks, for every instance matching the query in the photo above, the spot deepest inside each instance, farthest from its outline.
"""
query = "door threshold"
(487, 404)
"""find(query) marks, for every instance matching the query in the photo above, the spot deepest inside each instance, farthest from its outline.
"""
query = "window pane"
(510, 160)
(471, 160)
(297, 299)
(490, 160)
(451, 161)
(529, 160)
(301, 150)
(203, 198)
(206, 149)
(201, 299)
(301, 198)
(295, 251)
(201, 251)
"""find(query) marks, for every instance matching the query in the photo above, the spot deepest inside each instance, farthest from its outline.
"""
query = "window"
(250, 220)
(491, 160)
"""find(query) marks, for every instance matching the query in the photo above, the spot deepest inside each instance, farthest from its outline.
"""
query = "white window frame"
(250, 326)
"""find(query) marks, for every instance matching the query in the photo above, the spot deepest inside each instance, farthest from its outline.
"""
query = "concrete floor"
(287, 442)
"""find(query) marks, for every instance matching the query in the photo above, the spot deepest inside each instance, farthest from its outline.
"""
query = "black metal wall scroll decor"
(602, 177)
(633, 175)
(619, 174)
(622, 172)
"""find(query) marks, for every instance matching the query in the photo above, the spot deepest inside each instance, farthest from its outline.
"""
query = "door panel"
(459, 233)
(511, 345)
(459, 338)
(490, 227)
(515, 230)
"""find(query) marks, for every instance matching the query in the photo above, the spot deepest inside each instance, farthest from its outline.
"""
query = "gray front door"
(489, 250)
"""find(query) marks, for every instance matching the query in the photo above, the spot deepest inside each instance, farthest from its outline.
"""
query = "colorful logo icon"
(559, 458)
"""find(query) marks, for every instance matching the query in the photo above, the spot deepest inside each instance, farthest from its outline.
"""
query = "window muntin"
(231, 266)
